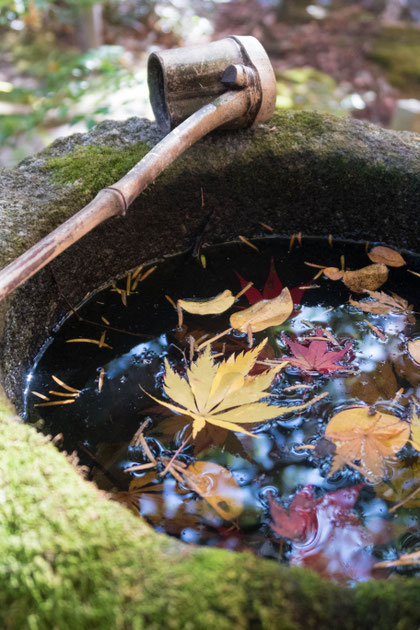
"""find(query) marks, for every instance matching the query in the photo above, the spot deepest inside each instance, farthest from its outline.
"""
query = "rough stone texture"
(70, 558)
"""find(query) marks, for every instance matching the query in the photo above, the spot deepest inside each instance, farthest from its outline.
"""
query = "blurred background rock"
(66, 65)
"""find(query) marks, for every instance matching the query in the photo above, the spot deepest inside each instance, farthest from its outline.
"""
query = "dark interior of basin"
(138, 331)
(190, 213)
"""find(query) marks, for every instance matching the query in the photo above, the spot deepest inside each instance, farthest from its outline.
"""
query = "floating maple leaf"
(382, 304)
(315, 357)
(223, 394)
(370, 438)
(326, 535)
(404, 487)
(272, 288)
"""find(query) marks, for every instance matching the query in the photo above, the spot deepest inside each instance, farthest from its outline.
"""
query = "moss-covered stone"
(397, 49)
(69, 558)
(105, 165)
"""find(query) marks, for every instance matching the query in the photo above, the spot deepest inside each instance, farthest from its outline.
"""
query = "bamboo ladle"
(194, 90)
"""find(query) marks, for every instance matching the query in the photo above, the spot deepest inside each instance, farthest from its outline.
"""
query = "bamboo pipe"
(115, 200)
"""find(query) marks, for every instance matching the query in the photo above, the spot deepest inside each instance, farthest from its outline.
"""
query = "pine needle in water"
(94, 341)
(60, 382)
(56, 402)
(63, 394)
(101, 379)
(245, 240)
(267, 227)
(39, 395)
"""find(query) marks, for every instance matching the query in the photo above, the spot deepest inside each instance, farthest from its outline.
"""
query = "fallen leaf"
(382, 304)
(315, 357)
(327, 536)
(404, 481)
(264, 314)
(370, 277)
(212, 306)
(414, 350)
(409, 558)
(370, 439)
(387, 256)
(333, 273)
(208, 437)
(415, 429)
(223, 394)
(371, 386)
(174, 511)
(299, 520)
(217, 486)
(272, 288)
(144, 484)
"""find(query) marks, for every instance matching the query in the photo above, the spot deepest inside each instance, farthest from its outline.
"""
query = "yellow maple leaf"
(223, 394)
(368, 438)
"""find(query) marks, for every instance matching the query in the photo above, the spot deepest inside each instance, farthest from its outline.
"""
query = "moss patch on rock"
(71, 559)
(95, 167)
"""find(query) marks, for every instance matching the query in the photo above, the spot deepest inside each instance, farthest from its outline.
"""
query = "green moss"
(95, 167)
(398, 51)
(71, 559)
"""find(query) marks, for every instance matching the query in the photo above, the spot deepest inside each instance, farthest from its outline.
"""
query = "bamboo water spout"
(232, 84)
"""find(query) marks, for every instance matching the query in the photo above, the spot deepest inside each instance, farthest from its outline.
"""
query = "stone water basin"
(72, 559)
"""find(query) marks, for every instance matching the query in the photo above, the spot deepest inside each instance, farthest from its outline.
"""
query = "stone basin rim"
(265, 175)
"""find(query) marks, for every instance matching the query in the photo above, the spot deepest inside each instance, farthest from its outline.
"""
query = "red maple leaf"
(315, 357)
(299, 520)
(327, 536)
(272, 288)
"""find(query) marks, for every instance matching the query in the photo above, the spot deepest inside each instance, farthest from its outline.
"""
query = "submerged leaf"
(367, 438)
(272, 288)
(298, 521)
(404, 482)
(414, 349)
(415, 429)
(217, 486)
(387, 256)
(327, 536)
(212, 306)
(382, 304)
(301, 519)
(368, 278)
(264, 314)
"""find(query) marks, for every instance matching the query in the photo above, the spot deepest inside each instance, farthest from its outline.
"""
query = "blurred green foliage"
(62, 77)
(307, 88)
(397, 49)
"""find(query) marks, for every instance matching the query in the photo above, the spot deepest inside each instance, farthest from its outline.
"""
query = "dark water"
(345, 525)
